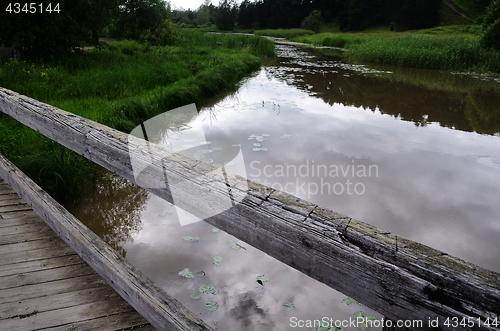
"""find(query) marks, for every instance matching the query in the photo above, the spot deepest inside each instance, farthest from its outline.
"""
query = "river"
(414, 152)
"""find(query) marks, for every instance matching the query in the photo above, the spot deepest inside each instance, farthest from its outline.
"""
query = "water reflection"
(112, 209)
(403, 158)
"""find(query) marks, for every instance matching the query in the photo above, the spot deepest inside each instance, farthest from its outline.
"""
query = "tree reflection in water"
(112, 209)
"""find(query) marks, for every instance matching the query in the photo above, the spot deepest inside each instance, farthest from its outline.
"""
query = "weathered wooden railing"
(400, 278)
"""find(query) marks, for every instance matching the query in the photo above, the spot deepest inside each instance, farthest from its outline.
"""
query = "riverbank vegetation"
(438, 48)
(119, 85)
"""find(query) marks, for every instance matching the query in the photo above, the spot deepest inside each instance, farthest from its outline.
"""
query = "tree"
(226, 15)
(491, 26)
(313, 21)
(53, 32)
(247, 14)
(137, 16)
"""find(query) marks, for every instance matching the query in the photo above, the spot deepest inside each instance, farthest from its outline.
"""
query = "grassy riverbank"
(120, 86)
(452, 48)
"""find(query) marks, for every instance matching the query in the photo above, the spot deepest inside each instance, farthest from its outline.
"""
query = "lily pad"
(256, 149)
(211, 306)
(194, 239)
(236, 145)
(215, 324)
(194, 296)
(260, 139)
(257, 144)
(215, 230)
(186, 273)
(265, 135)
(209, 289)
(349, 301)
(288, 306)
(235, 246)
(286, 136)
(232, 240)
(326, 328)
(366, 318)
(218, 261)
(262, 279)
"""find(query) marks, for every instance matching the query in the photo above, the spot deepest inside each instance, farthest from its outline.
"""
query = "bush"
(162, 35)
(491, 37)
(313, 21)
(491, 26)
(392, 26)
(226, 16)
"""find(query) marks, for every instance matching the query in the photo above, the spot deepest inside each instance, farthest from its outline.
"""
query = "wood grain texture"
(161, 310)
(400, 278)
(45, 285)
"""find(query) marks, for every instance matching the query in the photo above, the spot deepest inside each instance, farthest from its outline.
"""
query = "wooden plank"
(24, 214)
(6, 190)
(9, 198)
(11, 220)
(161, 310)
(42, 320)
(45, 289)
(49, 263)
(57, 301)
(41, 234)
(45, 276)
(30, 246)
(395, 276)
(14, 208)
(109, 323)
(24, 228)
(37, 254)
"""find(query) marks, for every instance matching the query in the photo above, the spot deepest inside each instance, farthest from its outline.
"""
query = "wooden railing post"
(400, 278)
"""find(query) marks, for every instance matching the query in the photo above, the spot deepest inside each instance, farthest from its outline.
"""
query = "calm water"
(422, 162)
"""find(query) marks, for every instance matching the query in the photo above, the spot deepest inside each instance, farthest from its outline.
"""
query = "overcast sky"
(192, 4)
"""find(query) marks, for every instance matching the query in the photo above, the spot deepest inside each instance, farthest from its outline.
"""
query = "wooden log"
(397, 277)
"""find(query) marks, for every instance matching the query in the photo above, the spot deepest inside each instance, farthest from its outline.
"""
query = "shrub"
(392, 26)
(313, 21)
(491, 26)
(162, 35)
(491, 37)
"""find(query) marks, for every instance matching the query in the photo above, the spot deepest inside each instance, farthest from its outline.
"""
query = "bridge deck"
(44, 284)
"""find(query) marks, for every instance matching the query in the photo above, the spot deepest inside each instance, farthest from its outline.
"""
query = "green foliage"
(313, 21)
(120, 86)
(491, 36)
(162, 35)
(491, 26)
(226, 15)
(282, 33)
(392, 26)
(427, 52)
(138, 16)
(50, 36)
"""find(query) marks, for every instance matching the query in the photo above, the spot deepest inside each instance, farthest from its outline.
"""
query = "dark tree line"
(37, 33)
(348, 14)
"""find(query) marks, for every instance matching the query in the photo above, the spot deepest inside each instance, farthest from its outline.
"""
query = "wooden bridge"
(400, 278)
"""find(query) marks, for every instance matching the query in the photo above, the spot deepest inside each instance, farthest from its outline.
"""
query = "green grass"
(448, 47)
(450, 17)
(284, 33)
(331, 39)
(120, 86)
(453, 53)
